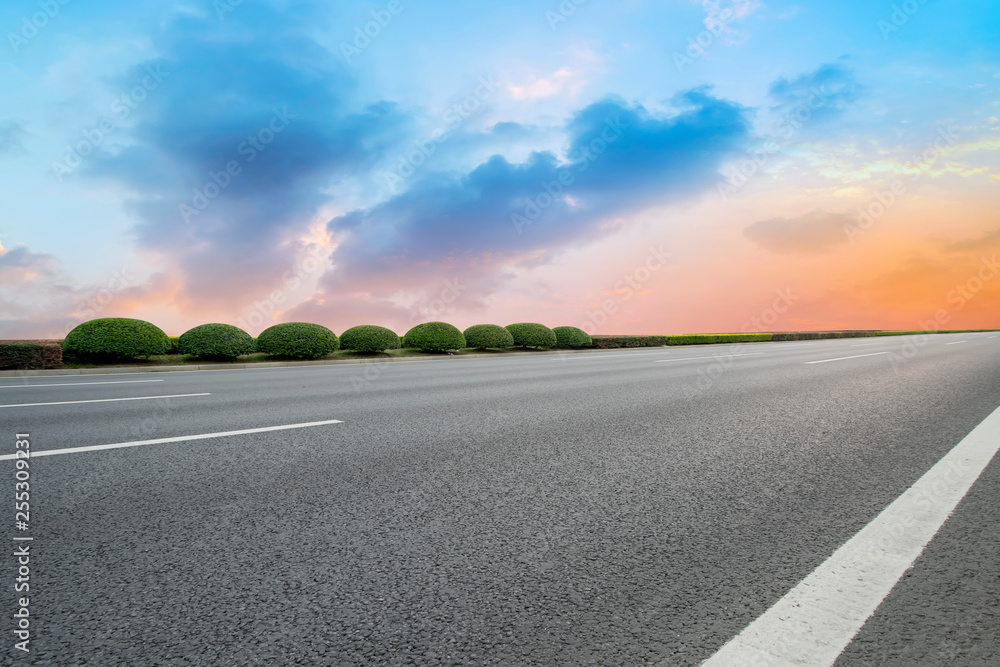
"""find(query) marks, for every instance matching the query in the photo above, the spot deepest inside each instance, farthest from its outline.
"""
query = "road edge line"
(816, 620)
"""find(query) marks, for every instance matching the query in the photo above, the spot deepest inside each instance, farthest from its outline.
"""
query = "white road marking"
(74, 384)
(714, 356)
(956, 342)
(881, 342)
(856, 356)
(159, 441)
(813, 623)
(99, 400)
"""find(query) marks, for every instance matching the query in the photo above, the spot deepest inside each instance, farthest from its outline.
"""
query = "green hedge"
(708, 339)
(216, 341)
(532, 334)
(116, 338)
(572, 337)
(434, 337)
(932, 331)
(610, 342)
(175, 345)
(488, 336)
(300, 340)
(816, 335)
(369, 338)
(30, 354)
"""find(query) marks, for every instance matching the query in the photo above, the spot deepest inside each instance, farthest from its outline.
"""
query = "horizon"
(698, 166)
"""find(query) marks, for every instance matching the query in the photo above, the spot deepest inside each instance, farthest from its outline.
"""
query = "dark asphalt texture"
(541, 510)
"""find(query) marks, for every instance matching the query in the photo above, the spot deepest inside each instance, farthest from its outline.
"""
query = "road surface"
(621, 507)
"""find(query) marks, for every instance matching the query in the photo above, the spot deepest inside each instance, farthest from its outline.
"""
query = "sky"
(630, 167)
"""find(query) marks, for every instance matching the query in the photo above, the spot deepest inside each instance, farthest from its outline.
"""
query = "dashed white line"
(956, 342)
(813, 623)
(714, 356)
(99, 400)
(881, 342)
(184, 438)
(74, 384)
(855, 356)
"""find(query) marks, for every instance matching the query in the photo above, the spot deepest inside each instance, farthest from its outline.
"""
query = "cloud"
(723, 12)
(720, 14)
(38, 301)
(227, 237)
(827, 92)
(554, 84)
(810, 234)
(924, 160)
(12, 136)
(20, 266)
(502, 215)
(230, 155)
(984, 242)
(620, 158)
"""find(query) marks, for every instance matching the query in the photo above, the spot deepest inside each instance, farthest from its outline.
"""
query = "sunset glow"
(627, 168)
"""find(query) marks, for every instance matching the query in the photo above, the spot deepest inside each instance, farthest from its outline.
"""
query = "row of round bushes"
(123, 338)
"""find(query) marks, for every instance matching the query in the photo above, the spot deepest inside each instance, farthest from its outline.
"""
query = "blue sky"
(251, 162)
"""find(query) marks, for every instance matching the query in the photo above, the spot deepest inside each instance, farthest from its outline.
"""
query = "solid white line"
(714, 356)
(818, 618)
(183, 438)
(74, 384)
(856, 356)
(99, 400)
(956, 342)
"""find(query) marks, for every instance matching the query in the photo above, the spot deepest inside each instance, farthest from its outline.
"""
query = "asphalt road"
(622, 507)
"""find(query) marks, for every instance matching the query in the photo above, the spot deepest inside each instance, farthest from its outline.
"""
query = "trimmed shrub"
(572, 337)
(434, 337)
(175, 345)
(369, 338)
(708, 339)
(216, 341)
(488, 336)
(116, 338)
(30, 354)
(301, 340)
(608, 342)
(611, 342)
(813, 335)
(532, 334)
